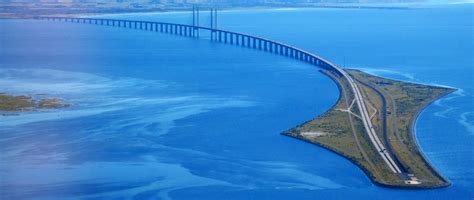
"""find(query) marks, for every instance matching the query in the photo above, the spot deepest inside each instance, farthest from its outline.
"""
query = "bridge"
(254, 42)
(218, 35)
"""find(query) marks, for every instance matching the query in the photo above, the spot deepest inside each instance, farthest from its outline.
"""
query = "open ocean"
(157, 116)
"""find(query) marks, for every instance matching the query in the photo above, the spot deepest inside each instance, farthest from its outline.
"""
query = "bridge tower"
(213, 22)
(195, 21)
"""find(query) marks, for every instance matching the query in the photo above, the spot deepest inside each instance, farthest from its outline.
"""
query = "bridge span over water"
(218, 35)
(254, 42)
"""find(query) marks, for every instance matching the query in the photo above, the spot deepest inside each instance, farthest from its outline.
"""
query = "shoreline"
(415, 139)
(7, 10)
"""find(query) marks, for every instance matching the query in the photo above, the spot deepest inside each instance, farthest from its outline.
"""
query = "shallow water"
(159, 116)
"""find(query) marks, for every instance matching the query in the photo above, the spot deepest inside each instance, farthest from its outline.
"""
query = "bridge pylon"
(213, 22)
(196, 21)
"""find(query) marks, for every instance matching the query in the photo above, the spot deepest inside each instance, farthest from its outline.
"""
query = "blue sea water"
(164, 117)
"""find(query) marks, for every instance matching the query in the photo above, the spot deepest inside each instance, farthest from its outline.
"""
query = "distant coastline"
(26, 11)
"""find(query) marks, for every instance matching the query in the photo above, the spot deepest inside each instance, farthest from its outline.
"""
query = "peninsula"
(393, 107)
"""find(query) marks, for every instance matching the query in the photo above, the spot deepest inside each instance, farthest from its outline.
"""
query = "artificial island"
(377, 135)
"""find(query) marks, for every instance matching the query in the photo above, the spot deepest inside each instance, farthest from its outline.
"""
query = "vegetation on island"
(394, 107)
(11, 104)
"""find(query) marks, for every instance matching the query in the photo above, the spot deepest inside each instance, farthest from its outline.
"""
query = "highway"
(364, 114)
(379, 146)
(368, 123)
